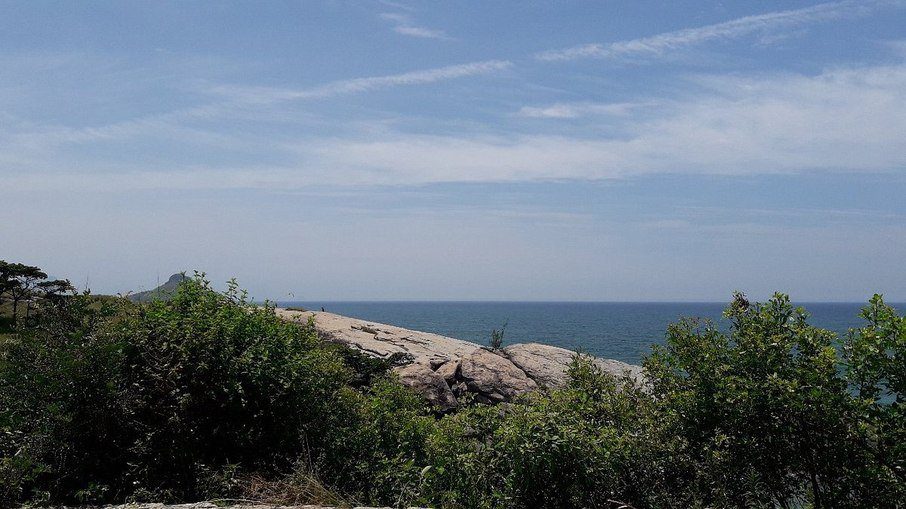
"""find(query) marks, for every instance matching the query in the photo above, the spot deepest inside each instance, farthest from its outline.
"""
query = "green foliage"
(56, 410)
(20, 283)
(206, 396)
(764, 416)
(768, 414)
(876, 370)
(7, 324)
(568, 448)
(376, 444)
(128, 401)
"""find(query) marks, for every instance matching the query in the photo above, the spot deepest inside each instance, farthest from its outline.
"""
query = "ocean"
(622, 331)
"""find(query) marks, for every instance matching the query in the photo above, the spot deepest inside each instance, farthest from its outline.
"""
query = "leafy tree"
(55, 289)
(767, 415)
(8, 281)
(876, 370)
(19, 281)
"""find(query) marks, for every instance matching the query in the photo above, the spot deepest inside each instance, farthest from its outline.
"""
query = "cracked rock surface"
(443, 369)
(494, 378)
(382, 340)
(547, 365)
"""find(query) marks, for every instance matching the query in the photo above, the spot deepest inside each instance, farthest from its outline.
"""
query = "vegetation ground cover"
(206, 396)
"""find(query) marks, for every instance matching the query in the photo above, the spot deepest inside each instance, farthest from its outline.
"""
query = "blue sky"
(459, 150)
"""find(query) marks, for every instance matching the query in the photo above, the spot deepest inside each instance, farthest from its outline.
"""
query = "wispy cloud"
(416, 31)
(578, 109)
(740, 27)
(403, 24)
(396, 5)
(841, 120)
(237, 102)
(355, 85)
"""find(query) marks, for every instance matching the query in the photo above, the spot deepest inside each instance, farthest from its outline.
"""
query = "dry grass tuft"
(299, 488)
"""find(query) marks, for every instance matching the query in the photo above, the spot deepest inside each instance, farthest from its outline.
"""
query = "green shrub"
(7, 324)
(206, 396)
(59, 412)
(767, 414)
(562, 449)
(105, 404)
(375, 444)
(496, 340)
(876, 371)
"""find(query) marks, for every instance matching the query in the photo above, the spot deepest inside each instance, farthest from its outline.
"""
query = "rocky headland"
(445, 370)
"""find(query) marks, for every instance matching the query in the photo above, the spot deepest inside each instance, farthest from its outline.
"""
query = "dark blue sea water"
(623, 331)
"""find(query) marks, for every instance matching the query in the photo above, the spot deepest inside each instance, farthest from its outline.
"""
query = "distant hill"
(162, 292)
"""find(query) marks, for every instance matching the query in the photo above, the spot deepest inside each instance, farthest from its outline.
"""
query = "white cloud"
(396, 5)
(351, 86)
(844, 120)
(415, 31)
(761, 23)
(841, 120)
(404, 25)
(242, 102)
(578, 109)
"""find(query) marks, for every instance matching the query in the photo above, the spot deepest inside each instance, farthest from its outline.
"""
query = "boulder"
(493, 377)
(448, 371)
(429, 384)
(382, 340)
(548, 365)
(544, 364)
(620, 369)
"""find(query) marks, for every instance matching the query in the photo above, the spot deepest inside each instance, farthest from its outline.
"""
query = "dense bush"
(768, 413)
(144, 401)
(205, 396)
(565, 449)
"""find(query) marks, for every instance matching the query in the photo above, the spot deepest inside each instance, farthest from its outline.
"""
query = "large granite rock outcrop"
(493, 378)
(444, 369)
(382, 340)
(547, 365)
(430, 384)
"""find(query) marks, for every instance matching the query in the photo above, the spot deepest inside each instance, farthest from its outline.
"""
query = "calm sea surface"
(623, 331)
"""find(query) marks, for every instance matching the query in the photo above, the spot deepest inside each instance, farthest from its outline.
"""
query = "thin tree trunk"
(816, 487)
(816, 491)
